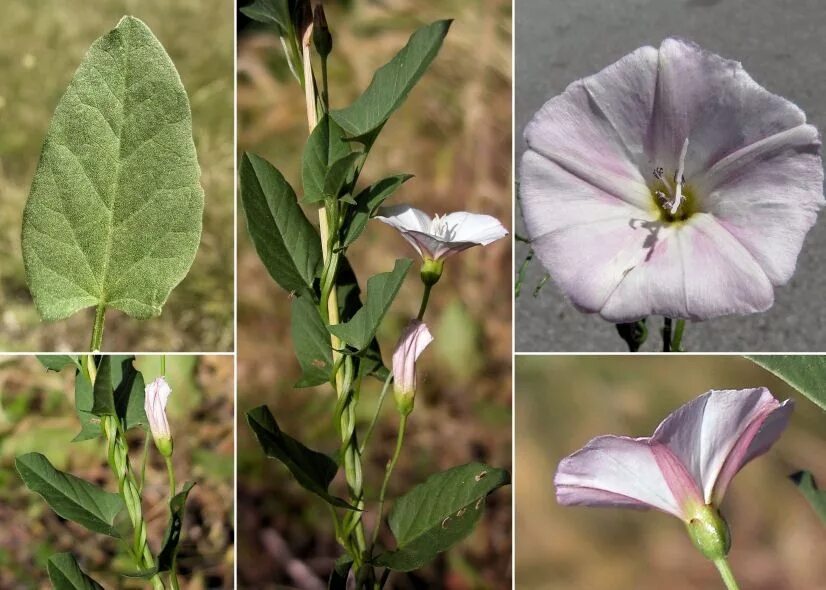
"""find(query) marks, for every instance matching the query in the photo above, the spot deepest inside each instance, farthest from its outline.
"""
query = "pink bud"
(157, 394)
(412, 343)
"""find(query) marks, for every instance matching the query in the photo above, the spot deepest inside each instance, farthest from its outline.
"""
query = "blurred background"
(41, 44)
(454, 134)
(37, 414)
(562, 41)
(562, 402)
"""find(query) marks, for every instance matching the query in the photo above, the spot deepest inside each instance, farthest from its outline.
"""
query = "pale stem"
(97, 330)
(726, 573)
(390, 466)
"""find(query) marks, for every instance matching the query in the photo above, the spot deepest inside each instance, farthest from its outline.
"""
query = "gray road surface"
(781, 45)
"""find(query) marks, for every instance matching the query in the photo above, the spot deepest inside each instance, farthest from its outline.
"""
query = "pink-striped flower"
(414, 339)
(685, 468)
(670, 183)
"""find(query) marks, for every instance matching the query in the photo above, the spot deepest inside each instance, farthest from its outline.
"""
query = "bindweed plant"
(113, 219)
(111, 400)
(333, 326)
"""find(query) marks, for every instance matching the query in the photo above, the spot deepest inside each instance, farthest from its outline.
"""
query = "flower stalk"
(726, 573)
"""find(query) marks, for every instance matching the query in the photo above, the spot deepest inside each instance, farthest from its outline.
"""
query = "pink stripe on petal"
(682, 484)
(756, 440)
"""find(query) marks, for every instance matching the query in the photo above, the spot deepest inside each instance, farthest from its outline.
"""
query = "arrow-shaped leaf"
(367, 203)
(65, 574)
(286, 242)
(172, 536)
(381, 291)
(435, 515)
(113, 218)
(311, 342)
(392, 82)
(313, 470)
(325, 146)
(69, 496)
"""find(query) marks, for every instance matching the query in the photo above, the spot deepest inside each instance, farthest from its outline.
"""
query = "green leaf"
(313, 470)
(325, 146)
(435, 515)
(277, 12)
(286, 242)
(65, 574)
(57, 362)
(807, 374)
(69, 496)
(367, 203)
(130, 391)
(103, 392)
(172, 536)
(805, 482)
(392, 82)
(339, 174)
(340, 573)
(114, 213)
(311, 342)
(381, 290)
(84, 402)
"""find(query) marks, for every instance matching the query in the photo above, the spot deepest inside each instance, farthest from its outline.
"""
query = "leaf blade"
(286, 242)
(114, 213)
(805, 482)
(65, 574)
(311, 342)
(69, 496)
(805, 373)
(392, 82)
(325, 146)
(172, 536)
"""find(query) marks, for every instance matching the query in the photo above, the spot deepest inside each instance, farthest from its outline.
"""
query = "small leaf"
(277, 12)
(172, 536)
(313, 470)
(84, 401)
(381, 290)
(57, 362)
(805, 482)
(435, 515)
(130, 391)
(65, 574)
(807, 374)
(286, 242)
(103, 392)
(311, 342)
(114, 214)
(69, 496)
(339, 174)
(392, 82)
(341, 570)
(367, 203)
(325, 146)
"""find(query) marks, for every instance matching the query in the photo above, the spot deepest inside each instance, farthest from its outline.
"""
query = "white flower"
(442, 236)
(414, 339)
(157, 394)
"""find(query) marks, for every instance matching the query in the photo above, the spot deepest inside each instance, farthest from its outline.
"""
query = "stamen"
(439, 228)
(679, 179)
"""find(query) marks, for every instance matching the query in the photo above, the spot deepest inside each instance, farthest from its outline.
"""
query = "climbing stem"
(388, 471)
(97, 330)
(385, 388)
(173, 571)
(726, 574)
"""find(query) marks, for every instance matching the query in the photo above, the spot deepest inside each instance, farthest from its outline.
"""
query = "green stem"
(677, 340)
(390, 466)
(666, 334)
(163, 365)
(173, 573)
(726, 573)
(375, 419)
(425, 299)
(97, 330)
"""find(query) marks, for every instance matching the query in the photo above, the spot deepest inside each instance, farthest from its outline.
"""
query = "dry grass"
(454, 134)
(41, 45)
(562, 402)
(37, 415)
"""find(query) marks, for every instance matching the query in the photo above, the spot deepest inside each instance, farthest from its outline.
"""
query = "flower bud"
(709, 532)
(322, 39)
(156, 395)
(432, 271)
(413, 341)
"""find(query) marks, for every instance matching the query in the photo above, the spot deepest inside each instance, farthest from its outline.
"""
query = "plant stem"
(163, 365)
(425, 299)
(390, 466)
(677, 340)
(726, 573)
(666, 334)
(97, 330)
(173, 573)
(385, 388)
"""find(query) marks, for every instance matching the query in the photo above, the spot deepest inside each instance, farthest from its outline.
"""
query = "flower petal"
(404, 217)
(767, 195)
(614, 471)
(475, 228)
(594, 130)
(714, 103)
(717, 433)
(695, 270)
(412, 342)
